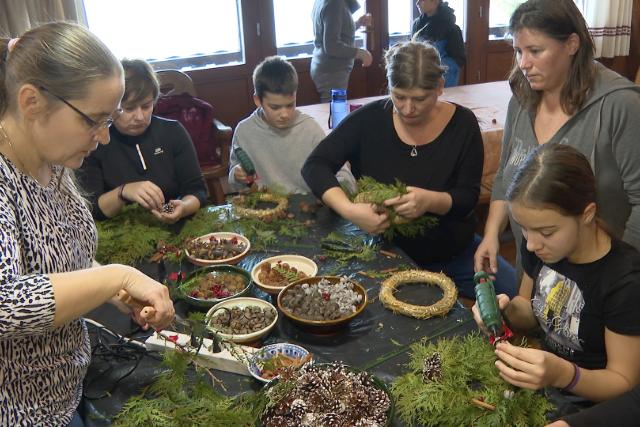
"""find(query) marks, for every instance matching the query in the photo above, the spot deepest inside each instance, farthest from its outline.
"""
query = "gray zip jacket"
(606, 130)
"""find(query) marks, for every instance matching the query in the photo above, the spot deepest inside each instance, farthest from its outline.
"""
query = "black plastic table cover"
(377, 340)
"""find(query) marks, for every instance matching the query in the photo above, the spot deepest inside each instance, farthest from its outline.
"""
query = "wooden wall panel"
(498, 65)
(231, 99)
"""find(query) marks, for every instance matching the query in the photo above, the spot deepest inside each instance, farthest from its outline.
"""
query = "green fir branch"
(344, 248)
(372, 191)
(468, 371)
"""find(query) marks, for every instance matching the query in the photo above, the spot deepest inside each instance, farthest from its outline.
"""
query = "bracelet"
(574, 380)
(120, 190)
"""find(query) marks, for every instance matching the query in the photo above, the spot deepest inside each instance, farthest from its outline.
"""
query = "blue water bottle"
(339, 106)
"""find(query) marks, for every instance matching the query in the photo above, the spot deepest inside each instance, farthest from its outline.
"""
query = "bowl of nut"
(217, 248)
(208, 286)
(273, 274)
(242, 320)
(267, 363)
(322, 303)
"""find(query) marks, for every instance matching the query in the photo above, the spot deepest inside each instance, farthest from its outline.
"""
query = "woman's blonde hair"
(558, 19)
(62, 57)
(413, 64)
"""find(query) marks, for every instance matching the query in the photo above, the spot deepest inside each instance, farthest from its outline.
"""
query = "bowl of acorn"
(242, 320)
(217, 248)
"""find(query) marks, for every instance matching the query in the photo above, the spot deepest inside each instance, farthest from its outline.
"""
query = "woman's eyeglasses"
(93, 124)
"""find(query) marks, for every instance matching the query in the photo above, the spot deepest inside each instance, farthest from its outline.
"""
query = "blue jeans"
(460, 270)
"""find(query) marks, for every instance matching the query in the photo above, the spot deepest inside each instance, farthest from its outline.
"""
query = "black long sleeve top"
(168, 154)
(451, 163)
(623, 411)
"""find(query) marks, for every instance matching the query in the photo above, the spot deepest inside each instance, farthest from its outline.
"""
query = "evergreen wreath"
(374, 192)
(446, 378)
(407, 277)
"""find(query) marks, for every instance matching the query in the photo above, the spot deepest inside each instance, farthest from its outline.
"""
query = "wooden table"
(488, 101)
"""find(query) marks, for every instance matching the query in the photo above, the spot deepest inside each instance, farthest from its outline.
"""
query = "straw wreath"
(279, 211)
(407, 277)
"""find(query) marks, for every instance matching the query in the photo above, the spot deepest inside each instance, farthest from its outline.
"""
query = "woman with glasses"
(150, 161)
(59, 87)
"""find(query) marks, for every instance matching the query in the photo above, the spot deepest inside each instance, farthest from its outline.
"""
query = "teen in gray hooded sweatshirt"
(561, 96)
(276, 136)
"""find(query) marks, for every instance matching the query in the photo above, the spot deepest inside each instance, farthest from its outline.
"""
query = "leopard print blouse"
(43, 230)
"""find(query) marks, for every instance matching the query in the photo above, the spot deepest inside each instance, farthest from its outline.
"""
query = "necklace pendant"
(414, 151)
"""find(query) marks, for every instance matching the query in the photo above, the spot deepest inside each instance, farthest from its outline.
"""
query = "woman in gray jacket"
(334, 45)
(562, 96)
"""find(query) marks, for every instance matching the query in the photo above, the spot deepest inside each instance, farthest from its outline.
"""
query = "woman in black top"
(150, 160)
(434, 147)
(437, 25)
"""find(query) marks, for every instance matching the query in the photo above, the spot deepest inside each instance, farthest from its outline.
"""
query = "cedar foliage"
(468, 371)
(134, 234)
(130, 237)
(174, 400)
(377, 192)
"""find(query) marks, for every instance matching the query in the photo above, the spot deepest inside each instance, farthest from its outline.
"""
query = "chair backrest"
(197, 117)
(175, 82)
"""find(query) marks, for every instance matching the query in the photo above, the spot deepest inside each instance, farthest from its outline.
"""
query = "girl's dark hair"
(557, 19)
(554, 176)
(64, 58)
(413, 64)
(140, 81)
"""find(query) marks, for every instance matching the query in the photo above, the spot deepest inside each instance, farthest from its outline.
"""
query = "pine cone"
(432, 368)
(298, 409)
(329, 420)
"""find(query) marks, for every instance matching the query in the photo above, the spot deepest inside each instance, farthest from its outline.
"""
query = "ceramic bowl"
(322, 326)
(241, 302)
(231, 260)
(208, 303)
(304, 264)
(269, 352)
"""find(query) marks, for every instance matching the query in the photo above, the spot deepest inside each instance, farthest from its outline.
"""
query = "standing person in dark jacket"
(437, 25)
(433, 146)
(150, 160)
(334, 45)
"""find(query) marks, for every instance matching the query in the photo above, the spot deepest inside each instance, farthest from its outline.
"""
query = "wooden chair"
(214, 171)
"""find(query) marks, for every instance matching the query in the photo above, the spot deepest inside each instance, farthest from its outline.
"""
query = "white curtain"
(609, 23)
(17, 16)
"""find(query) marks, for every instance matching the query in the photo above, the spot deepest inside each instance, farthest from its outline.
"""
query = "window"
(185, 35)
(400, 13)
(294, 27)
(500, 12)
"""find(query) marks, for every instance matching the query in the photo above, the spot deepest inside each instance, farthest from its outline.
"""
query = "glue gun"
(246, 164)
(488, 308)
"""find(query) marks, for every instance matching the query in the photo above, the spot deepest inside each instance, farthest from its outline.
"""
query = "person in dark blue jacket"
(437, 25)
